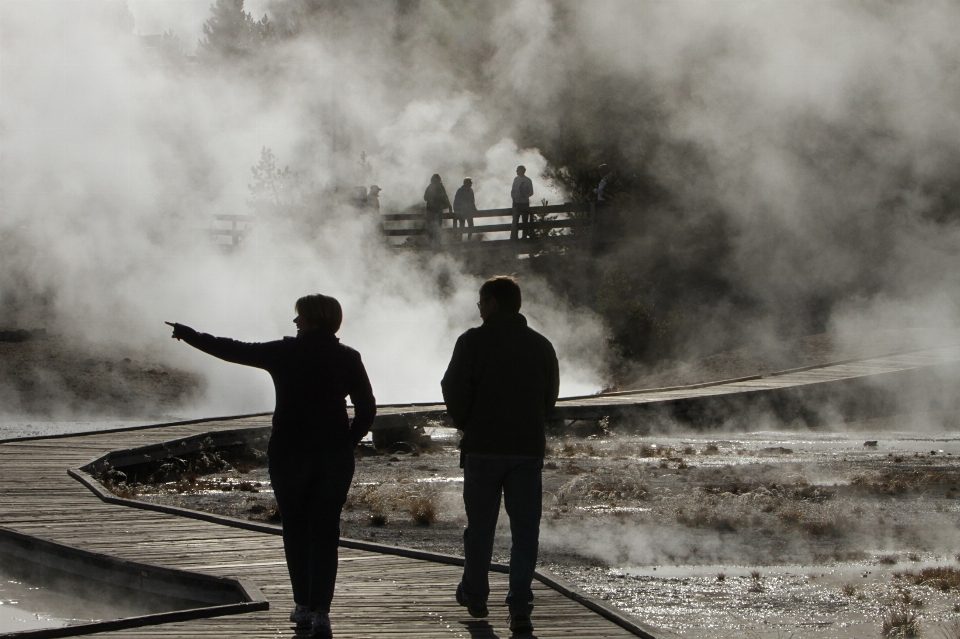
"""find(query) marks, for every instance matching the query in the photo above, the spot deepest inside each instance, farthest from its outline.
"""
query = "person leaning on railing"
(311, 444)
(464, 206)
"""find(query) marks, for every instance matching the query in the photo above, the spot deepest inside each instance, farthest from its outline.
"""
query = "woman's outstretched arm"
(230, 350)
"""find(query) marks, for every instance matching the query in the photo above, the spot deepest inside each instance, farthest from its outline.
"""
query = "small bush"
(378, 519)
(849, 590)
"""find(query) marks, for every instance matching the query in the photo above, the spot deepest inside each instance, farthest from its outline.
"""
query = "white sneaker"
(320, 626)
(301, 617)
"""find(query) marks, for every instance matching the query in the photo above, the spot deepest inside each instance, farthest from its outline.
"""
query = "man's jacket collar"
(506, 317)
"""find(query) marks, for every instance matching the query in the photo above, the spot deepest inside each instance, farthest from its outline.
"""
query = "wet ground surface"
(764, 534)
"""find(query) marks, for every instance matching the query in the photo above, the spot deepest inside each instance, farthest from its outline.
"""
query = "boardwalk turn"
(377, 595)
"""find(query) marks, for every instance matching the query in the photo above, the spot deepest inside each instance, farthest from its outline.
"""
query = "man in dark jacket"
(311, 444)
(500, 386)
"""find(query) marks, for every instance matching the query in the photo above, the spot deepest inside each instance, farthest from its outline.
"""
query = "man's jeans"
(518, 479)
(310, 492)
(521, 216)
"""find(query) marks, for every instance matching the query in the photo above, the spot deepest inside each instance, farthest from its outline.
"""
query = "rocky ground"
(51, 376)
(774, 534)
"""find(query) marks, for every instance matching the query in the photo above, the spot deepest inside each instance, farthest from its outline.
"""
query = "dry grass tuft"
(849, 590)
(901, 623)
(952, 631)
(944, 578)
(423, 510)
(378, 519)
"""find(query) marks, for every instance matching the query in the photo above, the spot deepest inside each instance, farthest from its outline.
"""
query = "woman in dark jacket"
(311, 445)
(436, 198)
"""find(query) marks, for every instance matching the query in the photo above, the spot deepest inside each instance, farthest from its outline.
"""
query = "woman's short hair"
(322, 311)
(505, 290)
(435, 178)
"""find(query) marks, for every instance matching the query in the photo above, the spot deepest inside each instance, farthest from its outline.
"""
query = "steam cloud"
(798, 154)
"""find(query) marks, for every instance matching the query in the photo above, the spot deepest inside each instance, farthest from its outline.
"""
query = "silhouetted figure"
(436, 198)
(604, 178)
(373, 199)
(464, 207)
(311, 444)
(502, 382)
(520, 193)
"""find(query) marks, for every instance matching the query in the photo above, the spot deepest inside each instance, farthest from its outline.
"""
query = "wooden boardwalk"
(377, 595)
(819, 383)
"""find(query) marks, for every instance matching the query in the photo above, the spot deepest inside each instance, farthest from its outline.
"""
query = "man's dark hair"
(505, 290)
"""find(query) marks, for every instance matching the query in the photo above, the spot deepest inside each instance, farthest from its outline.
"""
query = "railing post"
(591, 234)
(513, 225)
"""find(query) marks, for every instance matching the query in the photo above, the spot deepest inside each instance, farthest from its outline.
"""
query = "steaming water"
(27, 605)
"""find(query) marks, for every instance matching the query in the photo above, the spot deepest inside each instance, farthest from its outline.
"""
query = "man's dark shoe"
(478, 612)
(520, 625)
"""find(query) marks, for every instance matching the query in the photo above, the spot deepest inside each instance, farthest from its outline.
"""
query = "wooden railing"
(577, 216)
(235, 234)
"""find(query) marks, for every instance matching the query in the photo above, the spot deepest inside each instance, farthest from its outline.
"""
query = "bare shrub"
(721, 576)
(890, 560)
(849, 590)
(901, 623)
(423, 509)
(378, 519)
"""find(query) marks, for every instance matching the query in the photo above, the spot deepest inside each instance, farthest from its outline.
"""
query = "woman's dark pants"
(518, 479)
(310, 492)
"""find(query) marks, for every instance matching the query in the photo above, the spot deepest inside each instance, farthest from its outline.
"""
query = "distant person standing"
(464, 207)
(310, 451)
(604, 178)
(502, 382)
(520, 193)
(373, 199)
(436, 198)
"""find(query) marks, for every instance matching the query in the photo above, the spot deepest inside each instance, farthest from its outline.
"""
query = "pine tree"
(232, 32)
